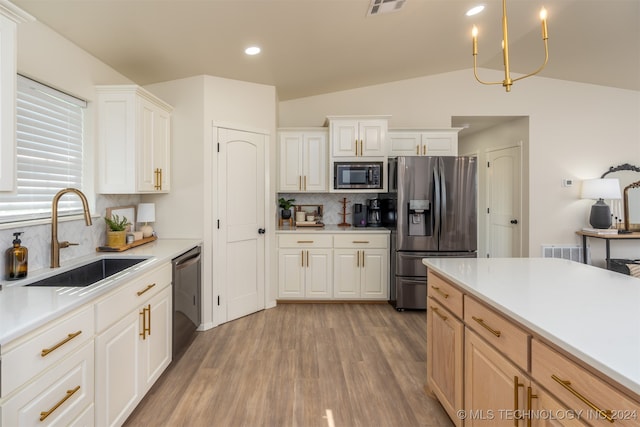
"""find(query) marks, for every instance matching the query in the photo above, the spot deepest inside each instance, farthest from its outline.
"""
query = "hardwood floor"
(305, 365)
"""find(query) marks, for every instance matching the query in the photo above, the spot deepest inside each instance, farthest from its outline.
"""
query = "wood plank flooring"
(307, 365)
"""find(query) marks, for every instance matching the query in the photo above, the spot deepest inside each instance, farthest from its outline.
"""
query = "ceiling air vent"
(378, 7)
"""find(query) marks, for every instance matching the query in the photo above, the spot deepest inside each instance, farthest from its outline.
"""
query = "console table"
(607, 238)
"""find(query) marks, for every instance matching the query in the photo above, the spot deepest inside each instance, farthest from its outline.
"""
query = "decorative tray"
(127, 246)
(309, 224)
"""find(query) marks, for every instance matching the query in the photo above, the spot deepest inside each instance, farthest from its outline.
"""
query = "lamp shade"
(601, 188)
(146, 212)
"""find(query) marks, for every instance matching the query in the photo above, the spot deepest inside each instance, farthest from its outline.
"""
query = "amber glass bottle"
(17, 258)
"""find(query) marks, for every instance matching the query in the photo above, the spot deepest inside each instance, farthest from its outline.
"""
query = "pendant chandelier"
(508, 81)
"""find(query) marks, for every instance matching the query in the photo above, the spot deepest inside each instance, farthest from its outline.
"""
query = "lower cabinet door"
(291, 273)
(318, 273)
(346, 273)
(58, 397)
(117, 371)
(445, 335)
(375, 274)
(494, 388)
(156, 345)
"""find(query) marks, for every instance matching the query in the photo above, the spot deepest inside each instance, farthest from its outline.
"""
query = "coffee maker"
(374, 214)
(359, 215)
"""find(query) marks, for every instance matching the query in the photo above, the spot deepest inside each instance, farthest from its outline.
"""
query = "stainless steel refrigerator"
(436, 216)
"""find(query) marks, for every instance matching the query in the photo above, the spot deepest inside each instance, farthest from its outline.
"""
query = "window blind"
(49, 130)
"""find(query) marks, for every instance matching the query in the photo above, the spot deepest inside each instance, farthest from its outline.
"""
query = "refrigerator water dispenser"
(420, 218)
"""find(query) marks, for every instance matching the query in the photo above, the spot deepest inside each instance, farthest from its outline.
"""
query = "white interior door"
(504, 203)
(241, 212)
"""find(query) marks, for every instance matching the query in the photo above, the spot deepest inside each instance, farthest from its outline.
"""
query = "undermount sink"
(89, 274)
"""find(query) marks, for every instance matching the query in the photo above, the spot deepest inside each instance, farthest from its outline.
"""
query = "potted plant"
(285, 204)
(116, 230)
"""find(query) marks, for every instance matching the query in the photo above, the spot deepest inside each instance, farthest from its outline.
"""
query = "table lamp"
(146, 214)
(600, 189)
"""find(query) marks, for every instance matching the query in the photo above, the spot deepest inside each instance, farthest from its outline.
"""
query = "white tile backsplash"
(37, 238)
(332, 203)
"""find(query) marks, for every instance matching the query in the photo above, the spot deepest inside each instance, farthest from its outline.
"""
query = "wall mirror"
(629, 176)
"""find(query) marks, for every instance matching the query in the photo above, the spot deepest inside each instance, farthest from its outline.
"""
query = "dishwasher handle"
(187, 262)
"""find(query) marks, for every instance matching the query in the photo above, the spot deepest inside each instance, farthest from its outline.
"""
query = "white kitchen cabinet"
(61, 396)
(10, 16)
(134, 141)
(303, 160)
(49, 373)
(305, 264)
(358, 136)
(441, 142)
(132, 352)
(361, 266)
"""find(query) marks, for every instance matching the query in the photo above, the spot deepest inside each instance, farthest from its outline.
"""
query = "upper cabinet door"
(134, 141)
(345, 138)
(7, 104)
(373, 134)
(358, 137)
(315, 162)
(291, 147)
(404, 143)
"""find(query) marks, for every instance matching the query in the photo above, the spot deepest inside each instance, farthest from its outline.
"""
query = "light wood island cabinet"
(512, 376)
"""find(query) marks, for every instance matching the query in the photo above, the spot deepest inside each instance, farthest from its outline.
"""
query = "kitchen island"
(545, 320)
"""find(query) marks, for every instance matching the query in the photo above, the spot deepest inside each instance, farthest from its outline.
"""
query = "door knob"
(261, 230)
(514, 221)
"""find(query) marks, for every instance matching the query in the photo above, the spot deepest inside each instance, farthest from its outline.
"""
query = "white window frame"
(71, 206)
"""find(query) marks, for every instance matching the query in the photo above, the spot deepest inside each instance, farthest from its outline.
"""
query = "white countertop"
(25, 308)
(587, 311)
(333, 229)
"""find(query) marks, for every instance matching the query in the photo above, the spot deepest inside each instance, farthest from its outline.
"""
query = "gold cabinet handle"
(516, 400)
(305, 183)
(145, 289)
(424, 150)
(358, 259)
(361, 147)
(302, 259)
(487, 327)
(438, 290)
(146, 321)
(299, 182)
(305, 241)
(69, 337)
(418, 149)
(362, 259)
(567, 385)
(360, 241)
(45, 414)
(356, 148)
(307, 259)
(158, 178)
(530, 397)
(440, 315)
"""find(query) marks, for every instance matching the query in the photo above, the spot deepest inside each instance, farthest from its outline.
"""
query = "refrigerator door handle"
(436, 195)
(443, 196)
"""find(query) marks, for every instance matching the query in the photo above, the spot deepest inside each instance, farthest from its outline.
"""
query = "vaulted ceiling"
(311, 47)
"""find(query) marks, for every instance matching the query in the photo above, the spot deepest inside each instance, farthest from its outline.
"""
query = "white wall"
(189, 209)
(576, 131)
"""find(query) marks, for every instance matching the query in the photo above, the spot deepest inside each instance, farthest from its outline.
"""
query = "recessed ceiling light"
(253, 50)
(475, 10)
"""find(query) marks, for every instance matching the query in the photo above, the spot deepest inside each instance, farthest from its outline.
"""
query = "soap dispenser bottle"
(16, 259)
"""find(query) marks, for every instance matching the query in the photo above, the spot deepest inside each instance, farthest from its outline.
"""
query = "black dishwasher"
(186, 299)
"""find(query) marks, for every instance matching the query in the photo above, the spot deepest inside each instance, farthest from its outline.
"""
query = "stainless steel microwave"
(357, 175)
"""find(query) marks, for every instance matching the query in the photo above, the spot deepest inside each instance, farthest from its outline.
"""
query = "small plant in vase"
(285, 205)
(116, 230)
